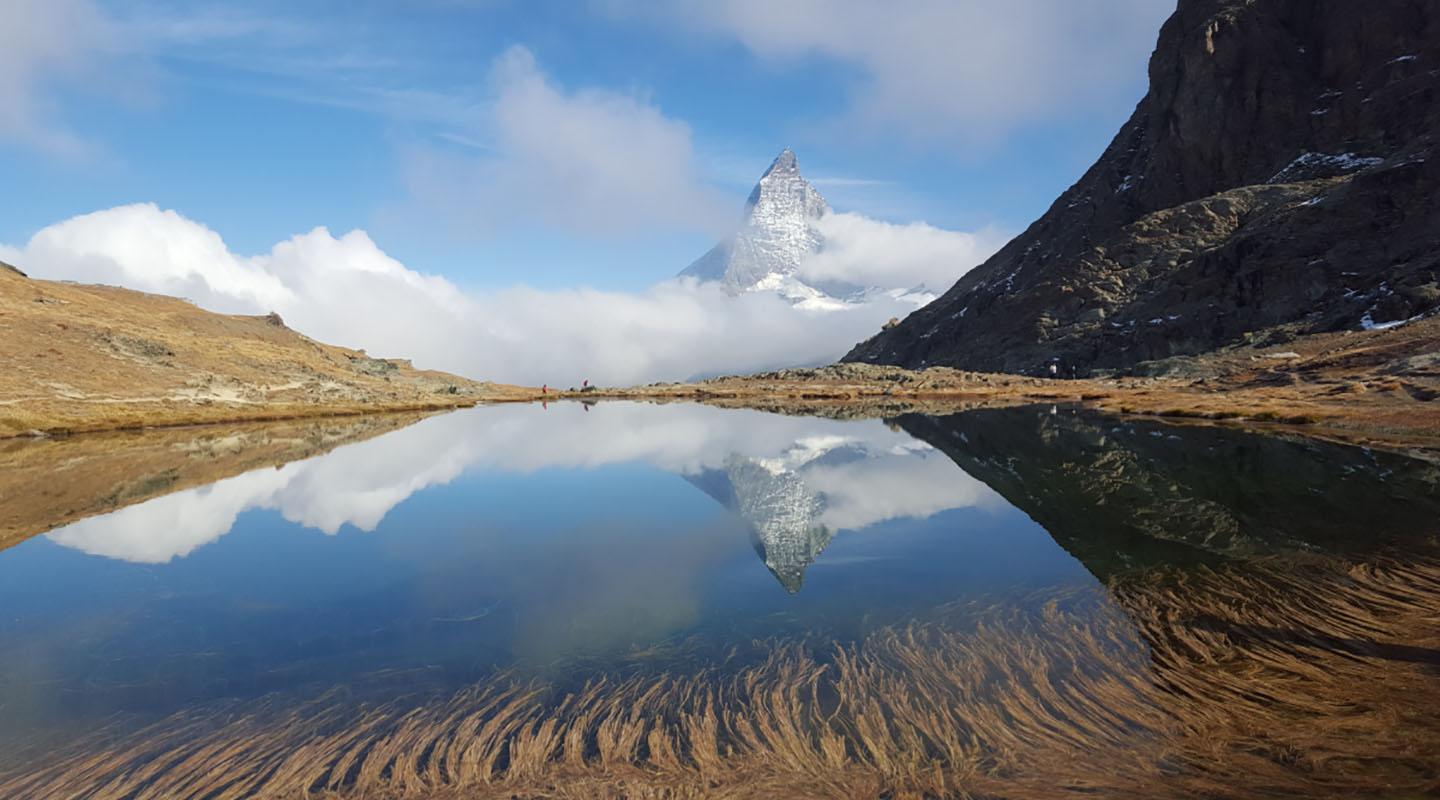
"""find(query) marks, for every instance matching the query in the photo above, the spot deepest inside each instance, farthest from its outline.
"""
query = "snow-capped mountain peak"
(782, 229)
(776, 235)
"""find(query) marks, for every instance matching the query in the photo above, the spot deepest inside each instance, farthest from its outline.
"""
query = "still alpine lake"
(632, 600)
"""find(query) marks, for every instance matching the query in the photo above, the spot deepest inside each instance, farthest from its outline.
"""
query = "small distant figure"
(585, 384)
(544, 388)
(1054, 369)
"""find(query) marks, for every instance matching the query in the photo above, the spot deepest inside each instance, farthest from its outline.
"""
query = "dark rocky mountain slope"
(1281, 176)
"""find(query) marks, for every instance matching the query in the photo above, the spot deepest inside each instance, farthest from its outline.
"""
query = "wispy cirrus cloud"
(48, 47)
(961, 71)
(589, 160)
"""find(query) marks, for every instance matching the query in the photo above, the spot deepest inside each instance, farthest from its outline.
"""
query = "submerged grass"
(1270, 681)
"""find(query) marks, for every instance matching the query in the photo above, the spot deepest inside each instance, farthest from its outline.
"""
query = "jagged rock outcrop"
(1280, 176)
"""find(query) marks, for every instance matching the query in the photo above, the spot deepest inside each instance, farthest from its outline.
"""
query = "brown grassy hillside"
(79, 357)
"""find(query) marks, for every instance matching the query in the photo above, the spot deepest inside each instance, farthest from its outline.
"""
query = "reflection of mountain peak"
(782, 511)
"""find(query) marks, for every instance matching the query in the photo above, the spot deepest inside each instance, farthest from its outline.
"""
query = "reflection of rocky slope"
(1282, 170)
(54, 482)
(1117, 493)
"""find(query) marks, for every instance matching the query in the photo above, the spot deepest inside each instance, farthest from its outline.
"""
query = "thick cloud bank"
(869, 252)
(346, 290)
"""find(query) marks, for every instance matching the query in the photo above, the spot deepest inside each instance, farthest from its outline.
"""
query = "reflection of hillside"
(1122, 493)
(54, 482)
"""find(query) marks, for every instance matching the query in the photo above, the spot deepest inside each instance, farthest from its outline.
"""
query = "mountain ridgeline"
(1281, 176)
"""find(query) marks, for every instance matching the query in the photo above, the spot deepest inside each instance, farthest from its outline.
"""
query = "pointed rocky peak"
(783, 198)
(777, 233)
(784, 164)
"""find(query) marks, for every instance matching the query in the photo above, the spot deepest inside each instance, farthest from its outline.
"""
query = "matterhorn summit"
(778, 233)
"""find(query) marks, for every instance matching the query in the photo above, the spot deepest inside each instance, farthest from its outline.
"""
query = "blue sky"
(427, 124)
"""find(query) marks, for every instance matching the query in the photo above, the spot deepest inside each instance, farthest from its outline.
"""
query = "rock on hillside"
(1280, 176)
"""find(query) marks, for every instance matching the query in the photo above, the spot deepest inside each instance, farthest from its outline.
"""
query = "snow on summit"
(779, 232)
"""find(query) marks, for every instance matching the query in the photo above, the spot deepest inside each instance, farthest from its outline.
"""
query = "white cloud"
(45, 44)
(591, 160)
(946, 69)
(141, 247)
(347, 291)
(867, 252)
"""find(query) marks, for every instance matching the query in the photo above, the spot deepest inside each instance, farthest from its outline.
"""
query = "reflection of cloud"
(158, 530)
(861, 473)
(356, 484)
(913, 484)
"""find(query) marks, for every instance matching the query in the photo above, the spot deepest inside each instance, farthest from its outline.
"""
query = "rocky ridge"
(1280, 177)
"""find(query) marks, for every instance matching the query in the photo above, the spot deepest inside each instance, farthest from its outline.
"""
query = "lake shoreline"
(1419, 426)
(1381, 420)
(1377, 387)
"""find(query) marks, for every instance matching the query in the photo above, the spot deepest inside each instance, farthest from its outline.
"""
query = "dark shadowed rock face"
(1282, 170)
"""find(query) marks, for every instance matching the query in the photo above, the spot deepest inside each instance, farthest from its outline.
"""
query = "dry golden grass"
(1277, 680)
(86, 358)
(1370, 387)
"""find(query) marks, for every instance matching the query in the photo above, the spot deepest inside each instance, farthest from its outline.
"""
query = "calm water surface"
(560, 545)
